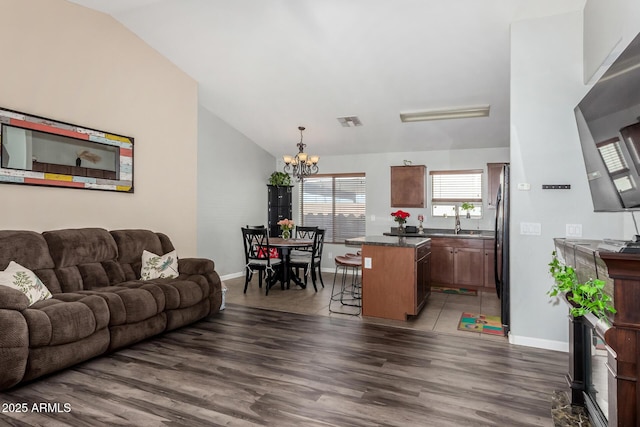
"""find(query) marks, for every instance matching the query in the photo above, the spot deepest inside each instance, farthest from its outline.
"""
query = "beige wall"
(72, 64)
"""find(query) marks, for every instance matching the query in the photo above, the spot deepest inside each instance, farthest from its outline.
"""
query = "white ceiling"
(269, 66)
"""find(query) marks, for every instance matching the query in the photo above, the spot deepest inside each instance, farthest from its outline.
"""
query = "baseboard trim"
(539, 343)
(232, 276)
(241, 273)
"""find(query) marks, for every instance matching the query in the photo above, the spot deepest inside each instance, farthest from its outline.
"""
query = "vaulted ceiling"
(268, 66)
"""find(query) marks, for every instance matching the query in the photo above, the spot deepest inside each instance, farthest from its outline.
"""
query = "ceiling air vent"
(351, 121)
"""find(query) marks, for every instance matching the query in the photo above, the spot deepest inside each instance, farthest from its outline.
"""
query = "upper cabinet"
(408, 186)
(493, 181)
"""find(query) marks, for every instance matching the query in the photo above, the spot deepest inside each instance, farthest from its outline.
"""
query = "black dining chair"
(309, 261)
(304, 232)
(317, 256)
(257, 251)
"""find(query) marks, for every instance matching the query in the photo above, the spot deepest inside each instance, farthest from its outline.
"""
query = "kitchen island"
(396, 275)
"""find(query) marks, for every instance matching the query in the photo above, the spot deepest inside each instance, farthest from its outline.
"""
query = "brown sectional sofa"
(99, 303)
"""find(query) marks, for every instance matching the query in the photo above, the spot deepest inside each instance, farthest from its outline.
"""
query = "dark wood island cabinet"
(396, 274)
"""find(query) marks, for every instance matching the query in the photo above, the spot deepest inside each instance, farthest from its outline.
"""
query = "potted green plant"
(280, 179)
(468, 207)
(587, 297)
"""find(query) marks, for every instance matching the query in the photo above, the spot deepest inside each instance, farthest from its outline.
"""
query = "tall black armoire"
(279, 207)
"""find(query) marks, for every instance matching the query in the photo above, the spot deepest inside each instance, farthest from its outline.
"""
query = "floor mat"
(457, 291)
(471, 322)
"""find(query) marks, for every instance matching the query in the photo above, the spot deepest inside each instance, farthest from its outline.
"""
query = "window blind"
(612, 156)
(335, 203)
(456, 186)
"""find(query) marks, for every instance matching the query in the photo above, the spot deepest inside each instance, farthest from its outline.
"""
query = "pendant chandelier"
(301, 164)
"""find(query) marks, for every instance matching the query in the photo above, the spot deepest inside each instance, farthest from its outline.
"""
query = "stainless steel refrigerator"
(502, 247)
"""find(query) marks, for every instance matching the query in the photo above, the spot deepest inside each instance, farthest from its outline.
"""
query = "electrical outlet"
(574, 230)
(367, 262)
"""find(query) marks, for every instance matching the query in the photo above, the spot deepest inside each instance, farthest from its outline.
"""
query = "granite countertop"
(404, 242)
(443, 232)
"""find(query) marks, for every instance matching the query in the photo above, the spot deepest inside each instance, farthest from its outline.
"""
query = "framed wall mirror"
(39, 151)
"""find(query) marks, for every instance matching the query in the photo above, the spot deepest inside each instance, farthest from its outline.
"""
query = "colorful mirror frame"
(68, 172)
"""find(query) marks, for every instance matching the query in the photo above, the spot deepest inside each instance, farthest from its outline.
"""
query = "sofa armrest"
(196, 266)
(12, 299)
(204, 267)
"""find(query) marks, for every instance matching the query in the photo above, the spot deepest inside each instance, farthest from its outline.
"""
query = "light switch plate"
(530, 228)
(367, 262)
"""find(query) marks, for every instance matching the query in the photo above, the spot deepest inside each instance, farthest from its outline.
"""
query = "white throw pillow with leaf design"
(159, 267)
(26, 281)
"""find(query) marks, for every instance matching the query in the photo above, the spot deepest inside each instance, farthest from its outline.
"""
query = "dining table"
(284, 247)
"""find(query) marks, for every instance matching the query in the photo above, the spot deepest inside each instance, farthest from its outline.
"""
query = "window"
(335, 203)
(452, 188)
(613, 159)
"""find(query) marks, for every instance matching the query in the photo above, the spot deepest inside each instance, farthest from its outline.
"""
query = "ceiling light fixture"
(301, 164)
(445, 114)
(349, 121)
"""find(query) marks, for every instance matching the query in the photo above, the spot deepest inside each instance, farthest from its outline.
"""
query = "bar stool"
(350, 292)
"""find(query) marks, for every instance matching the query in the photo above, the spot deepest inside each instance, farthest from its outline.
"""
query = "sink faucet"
(457, 228)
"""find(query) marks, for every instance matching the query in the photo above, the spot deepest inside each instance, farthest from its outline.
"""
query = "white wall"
(609, 27)
(72, 64)
(232, 191)
(377, 168)
(546, 85)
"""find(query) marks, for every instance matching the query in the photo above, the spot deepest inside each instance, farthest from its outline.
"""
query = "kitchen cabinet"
(396, 277)
(408, 186)
(441, 262)
(464, 262)
(279, 207)
(493, 182)
(468, 264)
(423, 276)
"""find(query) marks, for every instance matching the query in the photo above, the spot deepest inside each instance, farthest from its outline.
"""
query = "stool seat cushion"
(348, 261)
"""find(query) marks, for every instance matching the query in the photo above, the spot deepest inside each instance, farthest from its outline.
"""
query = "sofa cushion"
(72, 247)
(27, 248)
(159, 266)
(183, 293)
(18, 277)
(131, 243)
(61, 321)
(30, 250)
(130, 302)
(84, 258)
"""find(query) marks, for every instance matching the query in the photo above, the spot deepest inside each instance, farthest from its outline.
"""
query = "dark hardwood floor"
(249, 366)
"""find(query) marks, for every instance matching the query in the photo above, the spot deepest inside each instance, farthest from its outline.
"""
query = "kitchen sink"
(450, 232)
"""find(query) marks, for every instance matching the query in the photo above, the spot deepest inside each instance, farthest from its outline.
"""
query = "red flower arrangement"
(400, 216)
